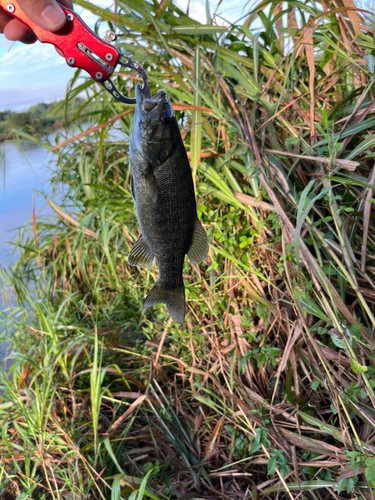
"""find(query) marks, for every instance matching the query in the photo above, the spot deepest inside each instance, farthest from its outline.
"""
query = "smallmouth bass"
(163, 192)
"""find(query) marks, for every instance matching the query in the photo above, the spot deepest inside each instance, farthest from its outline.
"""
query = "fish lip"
(160, 96)
(147, 105)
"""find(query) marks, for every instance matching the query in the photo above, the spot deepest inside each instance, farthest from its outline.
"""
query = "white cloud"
(197, 10)
(31, 72)
(36, 73)
(228, 12)
(104, 4)
(4, 46)
(12, 98)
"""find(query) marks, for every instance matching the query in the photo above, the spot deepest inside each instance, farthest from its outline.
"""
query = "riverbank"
(40, 119)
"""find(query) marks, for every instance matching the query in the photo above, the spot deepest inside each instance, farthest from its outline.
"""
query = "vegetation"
(39, 119)
(268, 390)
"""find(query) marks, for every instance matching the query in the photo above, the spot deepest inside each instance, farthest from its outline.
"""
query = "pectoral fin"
(141, 254)
(199, 247)
(151, 186)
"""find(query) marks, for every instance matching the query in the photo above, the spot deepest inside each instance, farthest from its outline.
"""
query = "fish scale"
(168, 224)
(163, 191)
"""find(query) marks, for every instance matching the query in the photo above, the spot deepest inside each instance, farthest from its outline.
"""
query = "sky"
(30, 74)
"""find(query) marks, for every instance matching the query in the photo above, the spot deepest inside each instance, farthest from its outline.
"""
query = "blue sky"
(35, 73)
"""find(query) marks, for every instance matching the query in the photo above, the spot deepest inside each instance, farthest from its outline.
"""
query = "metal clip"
(110, 87)
(82, 48)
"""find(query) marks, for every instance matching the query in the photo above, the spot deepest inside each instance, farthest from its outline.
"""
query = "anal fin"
(199, 247)
(141, 255)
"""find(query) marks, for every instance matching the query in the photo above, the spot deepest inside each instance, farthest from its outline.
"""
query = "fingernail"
(53, 17)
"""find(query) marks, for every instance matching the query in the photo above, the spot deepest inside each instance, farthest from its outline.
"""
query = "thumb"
(47, 14)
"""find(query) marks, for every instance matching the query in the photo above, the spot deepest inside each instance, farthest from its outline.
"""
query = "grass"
(268, 390)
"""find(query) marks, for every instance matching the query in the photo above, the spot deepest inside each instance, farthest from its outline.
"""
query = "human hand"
(45, 13)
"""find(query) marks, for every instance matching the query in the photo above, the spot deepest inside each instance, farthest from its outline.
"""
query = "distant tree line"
(39, 119)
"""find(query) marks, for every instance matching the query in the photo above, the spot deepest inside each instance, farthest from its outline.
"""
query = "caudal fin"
(174, 299)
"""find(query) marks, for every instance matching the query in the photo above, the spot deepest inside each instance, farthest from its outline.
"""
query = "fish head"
(156, 125)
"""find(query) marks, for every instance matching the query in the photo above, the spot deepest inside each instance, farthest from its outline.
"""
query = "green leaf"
(333, 409)
(109, 449)
(339, 342)
(142, 488)
(271, 466)
(116, 489)
(5, 406)
(370, 474)
(303, 212)
(309, 470)
(312, 308)
(350, 484)
(201, 29)
(301, 486)
(367, 143)
(341, 485)
(355, 329)
(355, 466)
(206, 401)
(254, 447)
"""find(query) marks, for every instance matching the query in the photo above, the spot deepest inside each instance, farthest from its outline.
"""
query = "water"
(22, 171)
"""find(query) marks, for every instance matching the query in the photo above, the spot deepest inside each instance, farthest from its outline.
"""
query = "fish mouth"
(160, 100)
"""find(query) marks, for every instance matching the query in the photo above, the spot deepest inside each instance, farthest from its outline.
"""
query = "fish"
(163, 192)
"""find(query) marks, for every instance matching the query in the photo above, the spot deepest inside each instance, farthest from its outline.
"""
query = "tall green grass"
(268, 390)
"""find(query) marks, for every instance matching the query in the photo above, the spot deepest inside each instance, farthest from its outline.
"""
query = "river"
(23, 170)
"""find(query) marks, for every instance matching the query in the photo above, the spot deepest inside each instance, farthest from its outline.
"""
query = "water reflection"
(23, 169)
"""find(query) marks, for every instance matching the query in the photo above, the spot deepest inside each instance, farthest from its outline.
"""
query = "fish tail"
(173, 298)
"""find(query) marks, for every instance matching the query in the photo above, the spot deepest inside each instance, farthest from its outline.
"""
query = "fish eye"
(165, 119)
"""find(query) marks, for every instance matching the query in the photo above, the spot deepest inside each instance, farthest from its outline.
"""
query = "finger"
(45, 13)
(4, 19)
(16, 30)
(67, 3)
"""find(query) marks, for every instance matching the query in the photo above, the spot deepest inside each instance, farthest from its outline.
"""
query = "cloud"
(197, 10)
(31, 72)
(228, 12)
(12, 98)
(4, 46)
(36, 73)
